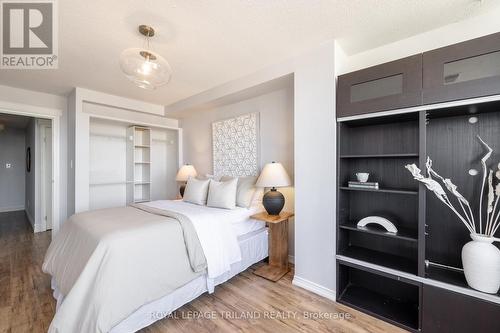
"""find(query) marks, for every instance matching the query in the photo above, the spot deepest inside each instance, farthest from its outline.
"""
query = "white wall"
(275, 110)
(12, 180)
(315, 181)
(314, 157)
(473, 27)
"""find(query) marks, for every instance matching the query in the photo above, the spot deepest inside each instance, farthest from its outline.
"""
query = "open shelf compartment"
(382, 295)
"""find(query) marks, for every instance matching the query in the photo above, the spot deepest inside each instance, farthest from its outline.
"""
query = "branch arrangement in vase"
(463, 209)
(480, 258)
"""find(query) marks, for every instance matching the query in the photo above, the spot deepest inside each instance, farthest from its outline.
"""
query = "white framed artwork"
(235, 146)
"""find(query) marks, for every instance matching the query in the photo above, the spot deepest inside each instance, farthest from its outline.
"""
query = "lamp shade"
(273, 175)
(185, 172)
(145, 68)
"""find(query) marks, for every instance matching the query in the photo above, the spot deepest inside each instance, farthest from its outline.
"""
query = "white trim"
(180, 151)
(314, 287)
(97, 97)
(42, 128)
(431, 282)
(133, 122)
(477, 100)
(30, 218)
(11, 208)
(54, 115)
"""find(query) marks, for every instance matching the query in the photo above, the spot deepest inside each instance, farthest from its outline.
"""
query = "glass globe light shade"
(146, 69)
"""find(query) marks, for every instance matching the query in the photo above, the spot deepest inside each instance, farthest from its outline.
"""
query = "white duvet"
(213, 226)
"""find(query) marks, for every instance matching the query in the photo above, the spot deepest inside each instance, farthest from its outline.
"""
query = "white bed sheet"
(254, 248)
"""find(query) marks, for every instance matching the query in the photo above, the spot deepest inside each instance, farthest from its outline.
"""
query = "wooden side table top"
(264, 216)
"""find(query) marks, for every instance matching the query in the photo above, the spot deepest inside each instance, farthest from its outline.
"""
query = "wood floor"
(246, 303)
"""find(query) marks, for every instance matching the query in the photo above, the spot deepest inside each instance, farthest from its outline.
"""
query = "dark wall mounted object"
(461, 71)
(393, 85)
(28, 159)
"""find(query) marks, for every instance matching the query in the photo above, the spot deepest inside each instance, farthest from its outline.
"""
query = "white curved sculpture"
(383, 222)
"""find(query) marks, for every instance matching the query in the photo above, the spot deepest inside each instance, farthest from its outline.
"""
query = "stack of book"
(370, 185)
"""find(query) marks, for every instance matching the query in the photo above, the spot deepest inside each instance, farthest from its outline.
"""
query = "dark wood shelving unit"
(381, 147)
(385, 274)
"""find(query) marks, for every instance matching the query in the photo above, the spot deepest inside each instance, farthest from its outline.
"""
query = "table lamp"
(273, 175)
(183, 175)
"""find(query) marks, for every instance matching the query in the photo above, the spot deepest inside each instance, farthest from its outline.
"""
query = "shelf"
(382, 190)
(141, 200)
(380, 258)
(380, 155)
(142, 146)
(141, 183)
(450, 276)
(403, 233)
(139, 162)
(111, 183)
(391, 309)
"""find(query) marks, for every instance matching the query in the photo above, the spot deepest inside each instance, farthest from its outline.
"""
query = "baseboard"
(291, 259)
(11, 209)
(31, 219)
(314, 287)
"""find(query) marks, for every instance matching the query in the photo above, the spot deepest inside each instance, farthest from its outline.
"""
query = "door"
(46, 173)
(393, 85)
(464, 70)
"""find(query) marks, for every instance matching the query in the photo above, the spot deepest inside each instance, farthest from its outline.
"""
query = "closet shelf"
(142, 146)
(111, 183)
(382, 190)
(381, 258)
(141, 183)
(142, 162)
(403, 233)
(402, 155)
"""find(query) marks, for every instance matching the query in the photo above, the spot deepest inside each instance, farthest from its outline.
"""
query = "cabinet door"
(445, 311)
(393, 85)
(465, 70)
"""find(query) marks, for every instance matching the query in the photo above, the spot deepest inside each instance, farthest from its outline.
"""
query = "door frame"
(43, 126)
(54, 115)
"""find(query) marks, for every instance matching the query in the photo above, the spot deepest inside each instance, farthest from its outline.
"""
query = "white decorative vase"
(481, 260)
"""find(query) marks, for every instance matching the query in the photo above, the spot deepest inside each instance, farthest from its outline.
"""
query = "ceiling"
(210, 42)
(13, 121)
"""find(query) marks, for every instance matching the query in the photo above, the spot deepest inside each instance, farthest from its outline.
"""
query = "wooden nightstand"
(278, 245)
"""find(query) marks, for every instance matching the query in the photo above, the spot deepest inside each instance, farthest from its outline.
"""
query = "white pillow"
(222, 194)
(196, 191)
(245, 191)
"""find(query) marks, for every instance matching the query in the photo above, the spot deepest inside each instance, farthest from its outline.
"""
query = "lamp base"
(273, 202)
(182, 189)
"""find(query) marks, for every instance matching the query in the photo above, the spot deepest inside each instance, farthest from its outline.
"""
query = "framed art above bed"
(235, 146)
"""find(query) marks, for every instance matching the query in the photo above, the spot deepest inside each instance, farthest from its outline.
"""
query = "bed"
(121, 269)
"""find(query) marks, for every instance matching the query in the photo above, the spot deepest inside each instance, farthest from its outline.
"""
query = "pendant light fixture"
(147, 69)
